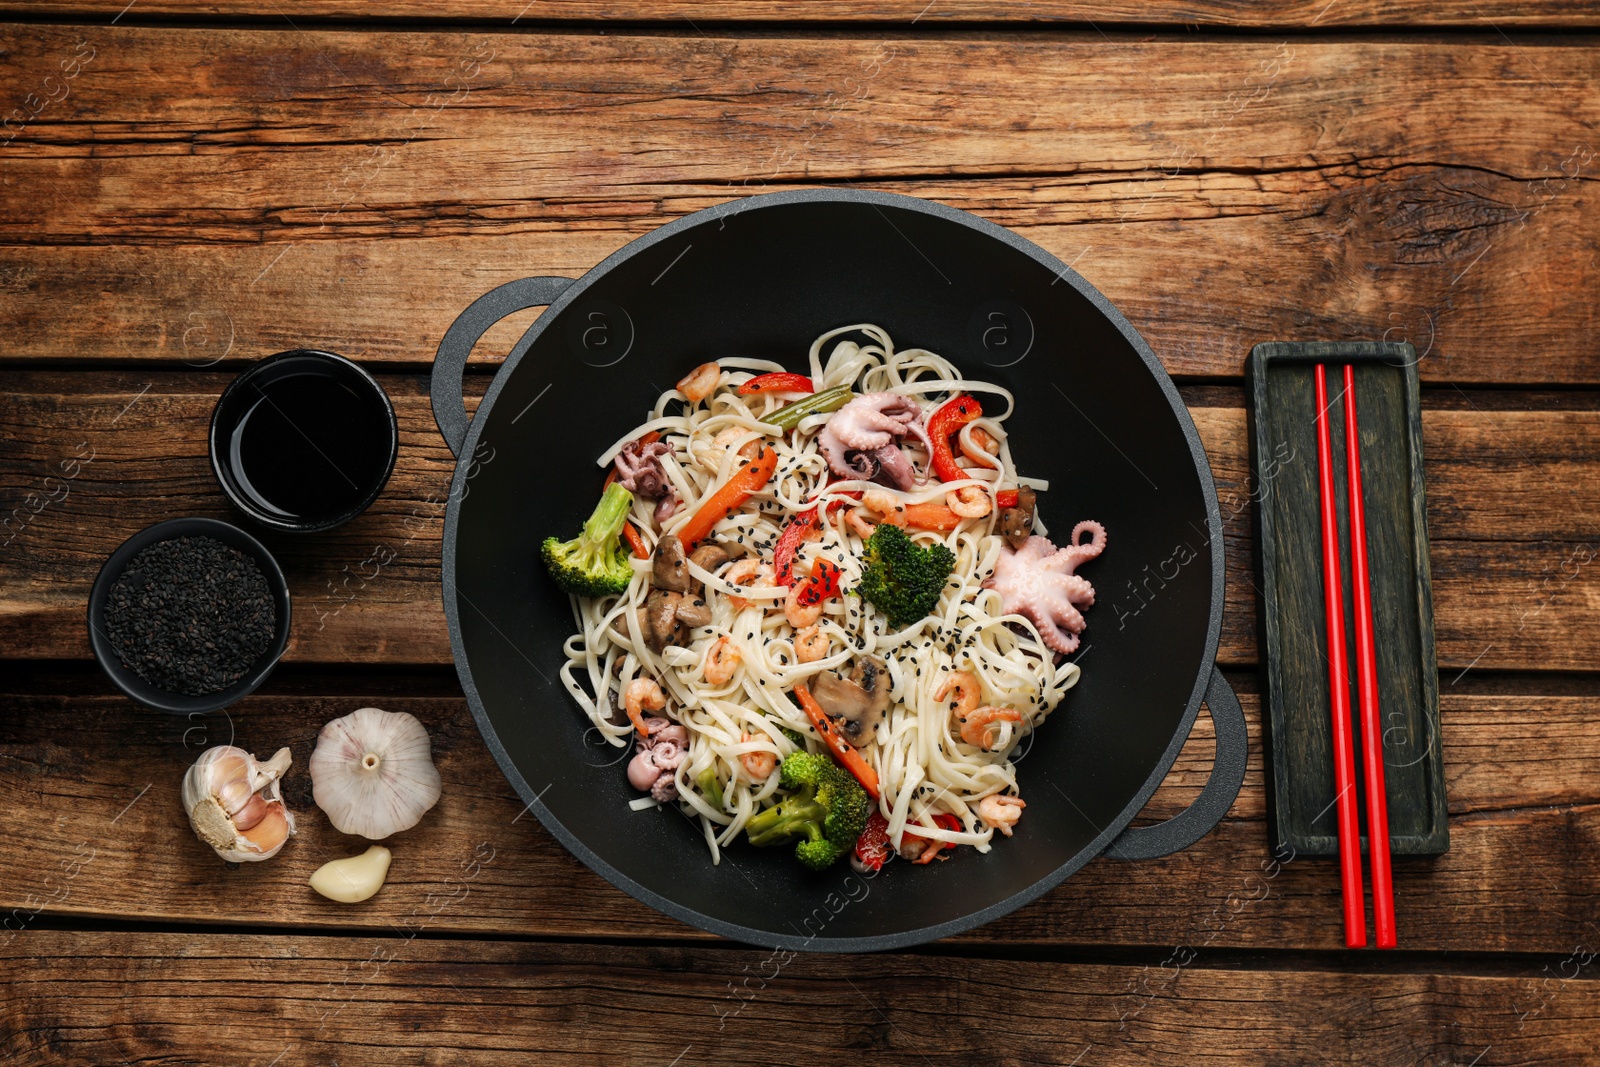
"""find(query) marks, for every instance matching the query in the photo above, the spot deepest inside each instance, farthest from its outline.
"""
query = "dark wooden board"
(177, 999)
(1514, 498)
(211, 192)
(1284, 462)
(94, 778)
(1279, 14)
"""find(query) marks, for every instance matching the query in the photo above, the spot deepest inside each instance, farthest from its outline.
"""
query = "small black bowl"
(317, 465)
(137, 687)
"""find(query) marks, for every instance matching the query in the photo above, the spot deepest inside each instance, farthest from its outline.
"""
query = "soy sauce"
(308, 447)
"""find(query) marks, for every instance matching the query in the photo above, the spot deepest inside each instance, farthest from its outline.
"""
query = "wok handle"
(1227, 775)
(449, 409)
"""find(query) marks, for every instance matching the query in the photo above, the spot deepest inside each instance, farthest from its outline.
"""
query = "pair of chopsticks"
(1344, 766)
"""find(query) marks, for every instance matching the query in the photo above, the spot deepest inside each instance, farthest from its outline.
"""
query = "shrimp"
(745, 572)
(970, 501)
(710, 458)
(810, 644)
(961, 689)
(978, 727)
(886, 505)
(856, 519)
(642, 695)
(800, 614)
(1001, 811)
(698, 383)
(721, 659)
(980, 446)
(759, 765)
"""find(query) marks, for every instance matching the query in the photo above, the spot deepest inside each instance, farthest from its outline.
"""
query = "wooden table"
(185, 187)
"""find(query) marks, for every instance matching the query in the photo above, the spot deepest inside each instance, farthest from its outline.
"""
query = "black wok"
(1096, 415)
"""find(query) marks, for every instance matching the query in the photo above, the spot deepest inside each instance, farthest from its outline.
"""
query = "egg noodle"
(924, 766)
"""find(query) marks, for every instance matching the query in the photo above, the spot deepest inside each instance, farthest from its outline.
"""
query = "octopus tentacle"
(858, 440)
(1037, 582)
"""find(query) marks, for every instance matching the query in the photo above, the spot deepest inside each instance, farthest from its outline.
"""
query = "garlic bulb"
(234, 803)
(372, 773)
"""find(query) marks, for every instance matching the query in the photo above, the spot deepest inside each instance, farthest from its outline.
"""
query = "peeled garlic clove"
(372, 773)
(234, 803)
(354, 879)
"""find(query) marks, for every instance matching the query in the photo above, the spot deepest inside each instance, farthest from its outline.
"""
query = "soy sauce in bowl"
(303, 440)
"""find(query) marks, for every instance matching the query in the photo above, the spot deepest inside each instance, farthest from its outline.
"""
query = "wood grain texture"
(1279, 14)
(1514, 506)
(221, 999)
(89, 785)
(194, 192)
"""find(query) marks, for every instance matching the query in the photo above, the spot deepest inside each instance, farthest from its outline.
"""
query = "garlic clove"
(355, 878)
(249, 813)
(372, 773)
(234, 803)
(271, 832)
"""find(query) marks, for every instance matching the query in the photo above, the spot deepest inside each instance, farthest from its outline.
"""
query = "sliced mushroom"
(616, 714)
(707, 557)
(619, 625)
(669, 569)
(661, 608)
(857, 702)
(1016, 524)
(693, 612)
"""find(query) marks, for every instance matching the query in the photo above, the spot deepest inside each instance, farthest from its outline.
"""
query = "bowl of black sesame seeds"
(189, 615)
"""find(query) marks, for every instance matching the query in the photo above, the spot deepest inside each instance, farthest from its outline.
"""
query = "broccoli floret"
(902, 578)
(827, 811)
(795, 737)
(595, 563)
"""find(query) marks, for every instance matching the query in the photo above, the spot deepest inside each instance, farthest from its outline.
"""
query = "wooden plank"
(105, 837)
(356, 190)
(177, 998)
(1280, 14)
(1514, 506)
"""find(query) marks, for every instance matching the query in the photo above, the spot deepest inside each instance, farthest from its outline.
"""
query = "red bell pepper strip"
(945, 821)
(797, 530)
(751, 476)
(842, 750)
(778, 382)
(635, 542)
(823, 583)
(942, 424)
(872, 847)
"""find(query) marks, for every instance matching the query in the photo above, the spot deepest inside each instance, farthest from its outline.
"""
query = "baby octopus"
(657, 757)
(858, 441)
(1037, 581)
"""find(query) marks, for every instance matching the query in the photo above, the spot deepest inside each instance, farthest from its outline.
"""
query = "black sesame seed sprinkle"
(190, 615)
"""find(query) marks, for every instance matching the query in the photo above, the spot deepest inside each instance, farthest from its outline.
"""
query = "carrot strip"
(747, 480)
(931, 517)
(635, 542)
(842, 750)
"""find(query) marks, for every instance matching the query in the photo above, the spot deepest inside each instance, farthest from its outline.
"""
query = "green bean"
(789, 416)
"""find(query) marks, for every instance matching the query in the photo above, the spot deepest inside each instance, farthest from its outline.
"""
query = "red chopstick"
(1367, 683)
(1344, 763)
